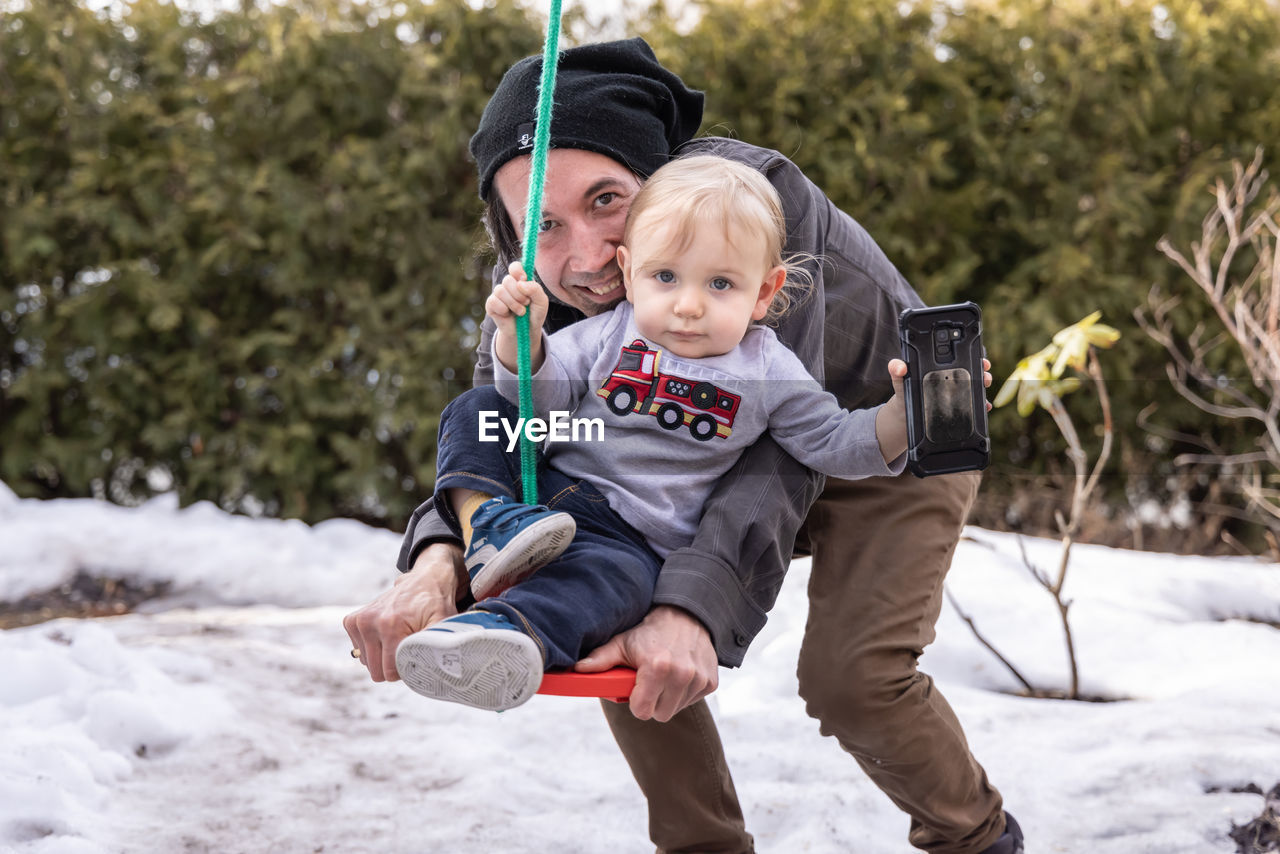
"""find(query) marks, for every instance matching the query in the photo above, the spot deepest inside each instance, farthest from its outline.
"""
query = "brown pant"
(881, 549)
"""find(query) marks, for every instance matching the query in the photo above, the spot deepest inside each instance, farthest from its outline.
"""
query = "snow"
(228, 717)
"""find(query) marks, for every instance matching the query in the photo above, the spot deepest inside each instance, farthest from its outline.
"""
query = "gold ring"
(355, 653)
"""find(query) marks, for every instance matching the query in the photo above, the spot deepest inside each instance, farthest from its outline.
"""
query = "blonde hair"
(703, 189)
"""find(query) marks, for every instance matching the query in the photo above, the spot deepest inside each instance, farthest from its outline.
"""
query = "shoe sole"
(485, 669)
(528, 551)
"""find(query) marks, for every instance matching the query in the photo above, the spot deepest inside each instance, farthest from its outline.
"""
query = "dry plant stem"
(982, 640)
(1251, 319)
(1036, 572)
(1207, 442)
(1083, 488)
(1249, 311)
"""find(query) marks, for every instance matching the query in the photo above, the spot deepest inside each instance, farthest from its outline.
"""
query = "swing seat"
(615, 684)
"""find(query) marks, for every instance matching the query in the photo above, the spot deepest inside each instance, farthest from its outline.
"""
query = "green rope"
(532, 221)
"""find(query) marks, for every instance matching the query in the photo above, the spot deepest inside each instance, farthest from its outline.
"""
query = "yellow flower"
(1074, 342)
(1037, 380)
(1026, 381)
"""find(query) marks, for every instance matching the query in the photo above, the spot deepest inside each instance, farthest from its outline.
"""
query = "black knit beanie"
(612, 98)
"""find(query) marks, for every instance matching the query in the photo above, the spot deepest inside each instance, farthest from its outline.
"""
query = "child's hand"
(513, 296)
(891, 420)
(898, 376)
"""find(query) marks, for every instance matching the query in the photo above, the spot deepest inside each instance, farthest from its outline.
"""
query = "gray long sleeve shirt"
(670, 427)
(844, 334)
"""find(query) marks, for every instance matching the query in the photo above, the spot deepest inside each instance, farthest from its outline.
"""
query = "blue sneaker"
(510, 541)
(475, 658)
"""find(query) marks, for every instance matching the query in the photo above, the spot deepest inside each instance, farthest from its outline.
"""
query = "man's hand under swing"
(674, 659)
(426, 594)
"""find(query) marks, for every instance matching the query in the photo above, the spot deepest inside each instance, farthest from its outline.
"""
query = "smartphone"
(946, 402)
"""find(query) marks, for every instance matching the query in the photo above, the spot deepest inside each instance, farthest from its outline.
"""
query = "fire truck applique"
(636, 386)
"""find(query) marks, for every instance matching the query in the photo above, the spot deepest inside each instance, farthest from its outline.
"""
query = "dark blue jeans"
(602, 584)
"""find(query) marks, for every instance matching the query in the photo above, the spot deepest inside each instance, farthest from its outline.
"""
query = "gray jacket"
(844, 334)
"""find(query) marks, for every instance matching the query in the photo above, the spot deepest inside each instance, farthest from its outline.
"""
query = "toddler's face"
(695, 300)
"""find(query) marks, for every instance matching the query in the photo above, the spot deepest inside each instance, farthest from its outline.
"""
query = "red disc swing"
(615, 684)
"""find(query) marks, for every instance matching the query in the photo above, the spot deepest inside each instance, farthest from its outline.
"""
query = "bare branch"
(1264, 499)
(982, 640)
(1178, 376)
(1195, 274)
(1036, 572)
(1144, 421)
(1229, 251)
(1095, 371)
(1248, 310)
(1220, 459)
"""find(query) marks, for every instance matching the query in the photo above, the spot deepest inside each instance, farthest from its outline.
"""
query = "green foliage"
(238, 253)
(241, 250)
(1025, 154)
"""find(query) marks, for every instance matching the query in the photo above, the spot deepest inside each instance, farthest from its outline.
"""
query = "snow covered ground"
(230, 718)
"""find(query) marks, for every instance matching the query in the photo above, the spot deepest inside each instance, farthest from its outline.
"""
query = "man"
(881, 547)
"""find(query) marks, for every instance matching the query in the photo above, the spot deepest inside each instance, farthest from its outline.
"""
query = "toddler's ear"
(624, 264)
(773, 282)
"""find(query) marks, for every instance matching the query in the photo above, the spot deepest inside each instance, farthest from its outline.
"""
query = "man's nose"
(590, 249)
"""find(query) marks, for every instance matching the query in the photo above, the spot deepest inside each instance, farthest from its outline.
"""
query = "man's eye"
(721, 284)
(665, 276)
(546, 225)
(605, 199)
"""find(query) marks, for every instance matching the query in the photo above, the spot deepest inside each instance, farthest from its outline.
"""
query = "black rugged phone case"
(945, 400)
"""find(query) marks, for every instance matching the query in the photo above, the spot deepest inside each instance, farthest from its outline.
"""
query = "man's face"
(585, 201)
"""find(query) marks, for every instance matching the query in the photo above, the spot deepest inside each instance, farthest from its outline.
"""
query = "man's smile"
(606, 288)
